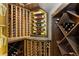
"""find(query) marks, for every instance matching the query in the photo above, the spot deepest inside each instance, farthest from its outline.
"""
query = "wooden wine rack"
(18, 23)
(19, 27)
(38, 23)
(37, 48)
(67, 41)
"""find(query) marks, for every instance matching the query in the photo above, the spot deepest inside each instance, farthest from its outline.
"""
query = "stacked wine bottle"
(15, 49)
(68, 25)
(66, 22)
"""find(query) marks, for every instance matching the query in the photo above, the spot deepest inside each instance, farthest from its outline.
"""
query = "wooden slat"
(35, 44)
(16, 22)
(29, 23)
(25, 48)
(11, 20)
(20, 21)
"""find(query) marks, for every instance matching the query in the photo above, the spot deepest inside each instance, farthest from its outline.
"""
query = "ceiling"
(32, 6)
(48, 7)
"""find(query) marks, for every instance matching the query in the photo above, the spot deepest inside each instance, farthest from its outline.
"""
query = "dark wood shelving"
(70, 40)
(70, 36)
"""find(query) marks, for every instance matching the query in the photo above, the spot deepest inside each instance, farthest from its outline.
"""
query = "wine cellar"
(39, 29)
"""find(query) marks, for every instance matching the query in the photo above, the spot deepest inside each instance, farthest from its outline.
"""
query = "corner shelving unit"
(39, 23)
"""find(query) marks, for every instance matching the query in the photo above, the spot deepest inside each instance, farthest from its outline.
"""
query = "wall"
(49, 8)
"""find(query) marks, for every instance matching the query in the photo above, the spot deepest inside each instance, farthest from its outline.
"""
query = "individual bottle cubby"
(66, 23)
(37, 47)
(16, 48)
(39, 23)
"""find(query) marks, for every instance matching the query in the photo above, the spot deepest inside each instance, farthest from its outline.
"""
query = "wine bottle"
(68, 25)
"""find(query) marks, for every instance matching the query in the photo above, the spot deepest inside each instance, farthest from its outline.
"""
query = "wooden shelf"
(15, 39)
(38, 38)
(39, 14)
